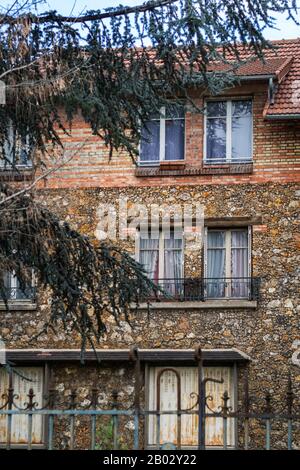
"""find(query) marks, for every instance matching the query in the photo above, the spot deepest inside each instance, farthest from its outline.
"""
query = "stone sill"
(18, 305)
(208, 304)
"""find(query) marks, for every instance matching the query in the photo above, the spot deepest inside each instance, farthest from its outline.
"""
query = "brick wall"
(276, 154)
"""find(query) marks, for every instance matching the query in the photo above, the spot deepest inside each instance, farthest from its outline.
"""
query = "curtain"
(239, 263)
(216, 264)
(173, 265)
(174, 141)
(149, 151)
(149, 256)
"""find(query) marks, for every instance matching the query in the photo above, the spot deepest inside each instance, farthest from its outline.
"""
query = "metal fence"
(201, 289)
(247, 416)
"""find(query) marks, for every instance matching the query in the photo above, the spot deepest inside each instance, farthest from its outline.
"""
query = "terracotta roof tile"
(287, 96)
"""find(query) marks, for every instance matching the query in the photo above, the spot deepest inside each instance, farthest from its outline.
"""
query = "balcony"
(206, 293)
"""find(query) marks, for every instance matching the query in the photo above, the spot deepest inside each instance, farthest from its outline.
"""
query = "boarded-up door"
(189, 391)
(21, 385)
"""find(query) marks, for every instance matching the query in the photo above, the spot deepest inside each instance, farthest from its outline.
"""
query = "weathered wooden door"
(168, 384)
(19, 431)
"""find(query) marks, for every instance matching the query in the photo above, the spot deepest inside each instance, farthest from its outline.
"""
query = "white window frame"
(162, 139)
(228, 158)
(228, 251)
(161, 252)
(8, 163)
(14, 285)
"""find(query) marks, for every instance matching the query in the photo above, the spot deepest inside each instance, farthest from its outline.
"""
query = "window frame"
(13, 281)
(161, 252)
(10, 163)
(228, 158)
(162, 139)
(228, 259)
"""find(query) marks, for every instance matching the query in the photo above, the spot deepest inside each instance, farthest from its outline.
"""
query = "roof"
(161, 356)
(283, 64)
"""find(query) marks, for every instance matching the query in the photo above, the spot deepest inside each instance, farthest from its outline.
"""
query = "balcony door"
(227, 263)
(161, 254)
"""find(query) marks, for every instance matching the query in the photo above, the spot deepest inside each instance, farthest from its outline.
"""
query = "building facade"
(234, 293)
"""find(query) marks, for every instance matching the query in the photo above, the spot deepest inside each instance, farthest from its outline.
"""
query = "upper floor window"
(227, 263)
(228, 131)
(163, 137)
(16, 150)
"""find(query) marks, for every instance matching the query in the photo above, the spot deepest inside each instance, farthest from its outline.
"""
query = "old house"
(234, 294)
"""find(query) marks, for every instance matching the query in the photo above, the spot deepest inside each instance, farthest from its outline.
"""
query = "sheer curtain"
(149, 256)
(216, 264)
(173, 264)
(239, 263)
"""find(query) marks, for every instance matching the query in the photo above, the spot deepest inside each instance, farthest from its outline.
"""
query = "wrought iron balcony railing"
(201, 289)
(16, 293)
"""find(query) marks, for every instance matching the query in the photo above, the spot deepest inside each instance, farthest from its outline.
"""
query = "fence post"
(290, 399)
(72, 419)
(268, 420)
(201, 400)
(246, 409)
(10, 393)
(134, 356)
(115, 419)
(94, 403)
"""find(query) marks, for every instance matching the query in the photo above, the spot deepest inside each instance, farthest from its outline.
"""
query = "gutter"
(283, 116)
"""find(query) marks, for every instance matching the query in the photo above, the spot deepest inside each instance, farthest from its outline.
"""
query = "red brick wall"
(276, 154)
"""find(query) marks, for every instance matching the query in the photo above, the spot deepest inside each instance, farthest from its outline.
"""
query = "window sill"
(206, 169)
(197, 305)
(16, 174)
(17, 305)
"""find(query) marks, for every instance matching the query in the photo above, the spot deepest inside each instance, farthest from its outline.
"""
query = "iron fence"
(242, 415)
(202, 289)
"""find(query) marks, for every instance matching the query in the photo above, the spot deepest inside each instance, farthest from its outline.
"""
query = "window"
(23, 379)
(14, 291)
(162, 258)
(165, 380)
(163, 137)
(16, 150)
(227, 263)
(228, 131)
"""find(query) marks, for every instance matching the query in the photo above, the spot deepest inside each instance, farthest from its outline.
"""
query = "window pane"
(150, 142)
(174, 143)
(239, 239)
(241, 108)
(216, 108)
(216, 139)
(149, 256)
(216, 239)
(173, 111)
(242, 138)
